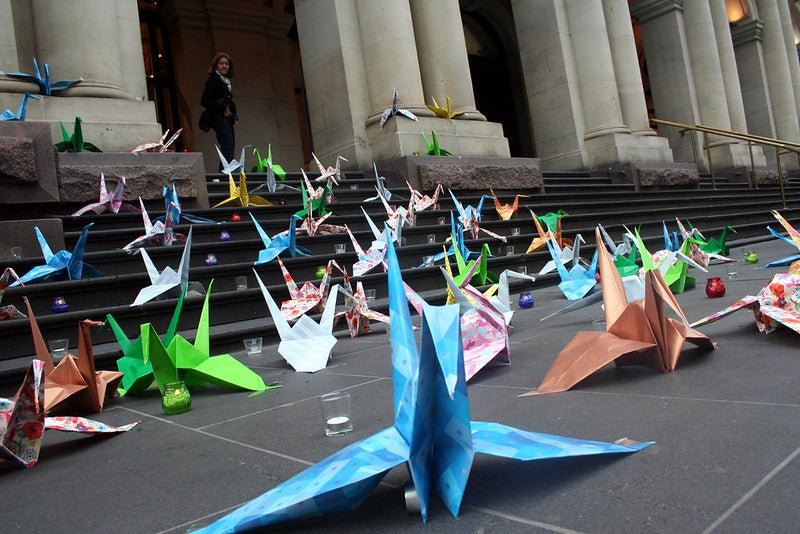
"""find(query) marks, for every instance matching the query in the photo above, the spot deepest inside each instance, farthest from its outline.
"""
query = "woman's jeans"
(223, 127)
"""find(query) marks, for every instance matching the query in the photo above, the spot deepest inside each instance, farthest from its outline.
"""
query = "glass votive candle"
(59, 305)
(509, 250)
(427, 260)
(731, 270)
(370, 294)
(224, 236)
(210, 260)
(522, 269)
(58, 348)
(176, 398)
(526, 300)
(340, 248)
(253, 345)
(320, 272)
(442, 221)
(241, 283)
(599, 325)
(336, 413)
(515, 231)
(353, 187)
(16, 253)
(236, 217)
(431, 238)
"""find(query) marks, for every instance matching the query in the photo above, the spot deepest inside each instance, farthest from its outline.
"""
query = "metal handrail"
(777, 144)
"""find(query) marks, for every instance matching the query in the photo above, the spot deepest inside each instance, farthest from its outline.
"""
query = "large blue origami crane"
(62, 265)
(8, 115)
(285, 241)
(578, 281)
(432, 433)
(46, 87)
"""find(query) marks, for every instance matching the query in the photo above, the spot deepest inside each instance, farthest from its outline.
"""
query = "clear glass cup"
(241, 283)
(599, 325)
(732, 270)
(340, 248)
(253, 345)
(370, 294)
(431, 238)
(515, 231)
(509, 250)
(427, 260)
(336, 413)
(442, 221)
(522, 269)
(16, 253)
(58, 348)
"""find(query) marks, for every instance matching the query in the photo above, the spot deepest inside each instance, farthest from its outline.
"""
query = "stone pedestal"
(643, 174)
(475, 173)
(28, 168)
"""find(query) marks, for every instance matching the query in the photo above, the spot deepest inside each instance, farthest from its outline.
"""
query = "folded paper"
(395, 109)
(168, 279)
(506, 211)
(160, 146)
(8, 115)
(308, 297)
(8, 311)
(108, 201)
(75, 142)
(62, 265)
(46, 86)
(285, 241)
(157, 233)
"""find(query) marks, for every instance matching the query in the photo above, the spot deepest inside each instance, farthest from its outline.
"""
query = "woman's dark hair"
(216, 59)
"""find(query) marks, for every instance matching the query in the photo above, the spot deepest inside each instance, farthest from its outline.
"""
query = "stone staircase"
(236, 314)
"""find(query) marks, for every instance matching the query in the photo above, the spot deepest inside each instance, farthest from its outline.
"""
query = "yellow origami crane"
(239, 195)
(444, 112)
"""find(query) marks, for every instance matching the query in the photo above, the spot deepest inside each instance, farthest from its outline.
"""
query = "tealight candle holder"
(210, 260)
(224, 236)
(59, 305)
(176, 398)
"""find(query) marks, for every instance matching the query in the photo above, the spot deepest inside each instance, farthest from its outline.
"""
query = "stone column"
(12, 28)
(727, 58)
(443, 63)
(778, 76)
(791, 50)
(129, 37)
(390, 56)
(592, 54)
(79, 40)
(626, 67)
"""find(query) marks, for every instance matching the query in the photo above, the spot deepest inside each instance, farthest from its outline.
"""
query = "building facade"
(571, 82)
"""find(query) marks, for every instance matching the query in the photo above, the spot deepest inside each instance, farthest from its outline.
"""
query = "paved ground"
(725, 427)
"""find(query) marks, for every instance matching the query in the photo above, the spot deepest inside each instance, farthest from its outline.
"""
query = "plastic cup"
(252, 345)
(336, 413)
(241, 283)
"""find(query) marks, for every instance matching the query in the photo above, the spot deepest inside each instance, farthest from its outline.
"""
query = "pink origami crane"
(108, 202)
(398, 216)
(23, 421)
(371, 258)
(422, 202)
(357, 312)
(484, 333)
(158, 233)
(158, 146)
(9, 311)
(307, 298)
(778, 302)
(334, 173)
(317, 193)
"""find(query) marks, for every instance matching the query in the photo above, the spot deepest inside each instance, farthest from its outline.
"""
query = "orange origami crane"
(544, 237)
(638, 333)
(73, 386)
(506, 211)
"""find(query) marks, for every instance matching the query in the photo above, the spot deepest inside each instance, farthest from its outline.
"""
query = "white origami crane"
(108, 201)
(382, 191)
(167, 279)
(423, 202)
(566, 254)
(307, 345)
(158, 146)
(616, 250)
(371, 258)
(229, 167)
(502, 299)
(395, 109)
(334, 173)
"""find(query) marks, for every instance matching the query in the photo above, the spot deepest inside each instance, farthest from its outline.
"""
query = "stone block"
(424, 172)
(28, 170)
(764, 175)
(146, 175)
(21, 234)
(656, 174)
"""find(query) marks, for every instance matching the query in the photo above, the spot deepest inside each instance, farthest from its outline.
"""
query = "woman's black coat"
(216, 96)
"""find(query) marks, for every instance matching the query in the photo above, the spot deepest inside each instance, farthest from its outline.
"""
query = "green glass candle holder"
(751, 257)
(176, 398)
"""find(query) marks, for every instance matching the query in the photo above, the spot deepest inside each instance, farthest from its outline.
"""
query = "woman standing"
(218, 100)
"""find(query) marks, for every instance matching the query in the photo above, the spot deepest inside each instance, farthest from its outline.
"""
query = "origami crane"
(553, 223)
(312, 226)
(470, 218)
(192, 362)
(46, 87)
(9, 311)
(432, 432)
(432, 147)
(715, 245)
(108, 201)
(230, 167)
(238, 194)
(506, 211)
(422, 202)
(23, 421)
(8, 115)
(778, 302)
(617, 250)
(333, 174)
(696, 245)
(577, 282)
(398, 216)
(307, 345)
(168, 279)
(567, 254)
(381, 188)
(793, 239)
(159, 146)
(476, 270)
(677, 263)
(266, 165)
(501, 299)
(307, 298)
(62, 265)
(75, 142)
(395, 109)
(157, 233)
(444, 112)
(280, 243)
(317, 198)
(370, 259)
(357, 313)
(172, 203)
(457, 242)
(73, 386)
(397, 234)
(639, 332)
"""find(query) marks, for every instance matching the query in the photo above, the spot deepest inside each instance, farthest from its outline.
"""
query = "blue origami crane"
(172, 203)
(9, 115)
(62, 265)
(432, 433)
(793, 240)
(577, 282)
(46, 87)
(280, 243)
(457, 242)
(673, 244)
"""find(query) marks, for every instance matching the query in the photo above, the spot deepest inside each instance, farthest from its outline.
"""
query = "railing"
(781, 148)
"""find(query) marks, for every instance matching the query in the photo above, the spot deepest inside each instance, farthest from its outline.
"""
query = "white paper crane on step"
(306, 345)
(167, 279)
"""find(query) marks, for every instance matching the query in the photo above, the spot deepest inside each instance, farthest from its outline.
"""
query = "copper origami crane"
(73, 386)
(637, 333)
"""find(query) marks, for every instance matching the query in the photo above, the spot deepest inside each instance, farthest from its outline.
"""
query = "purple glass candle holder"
(59, 305)
(224, 236)
(526, 300)
(210, 260)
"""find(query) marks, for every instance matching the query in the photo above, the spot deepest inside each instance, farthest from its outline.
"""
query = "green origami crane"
(174, 358)
(75, 143)
(714, 245)
(676, 275)
(319, 206)
(551, 219)
(478, 273)
(265, 164)
(432, 148)
(626, 265)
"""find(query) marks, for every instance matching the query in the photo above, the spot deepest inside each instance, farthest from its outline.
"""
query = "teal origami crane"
(9, 115)
(62, 265)
(432, 432)
(75, 142)
(578, 281)
(46, 87)
(793, 240)
(176, 359)
(173, 204)
(285, 241)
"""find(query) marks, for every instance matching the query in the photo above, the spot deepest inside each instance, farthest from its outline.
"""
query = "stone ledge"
(28, 170)
(764, 175)
(146, 176)
(461, 172)
(645, 174)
